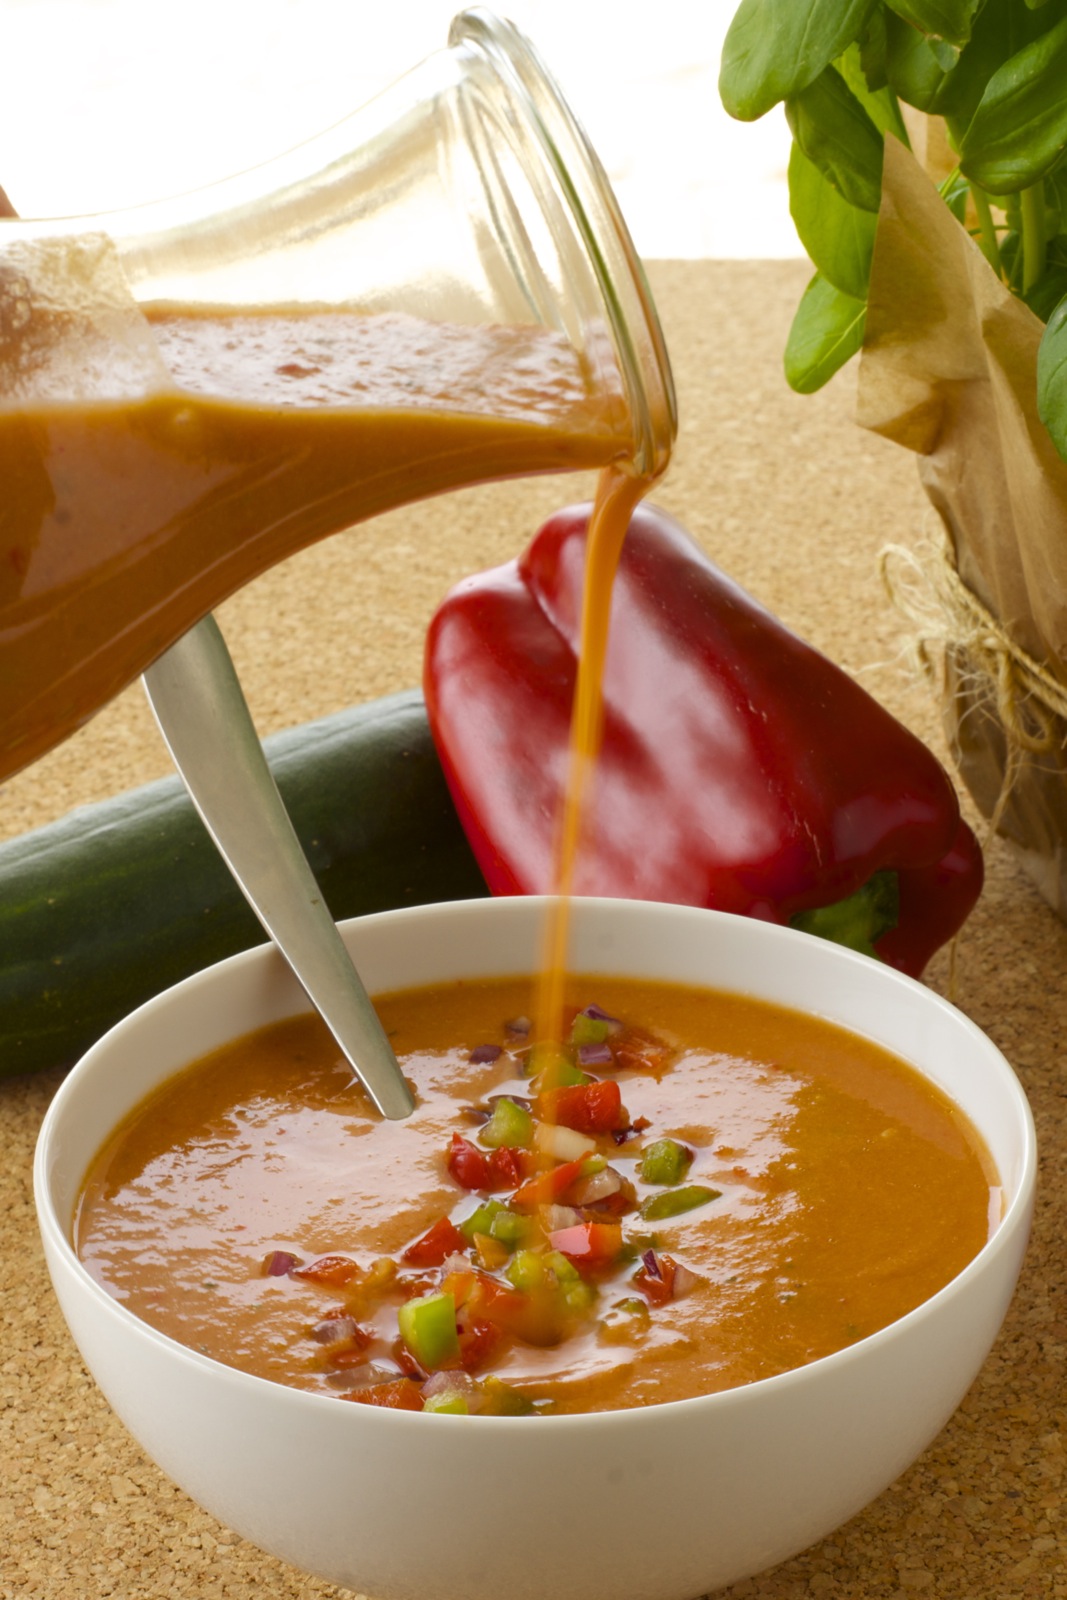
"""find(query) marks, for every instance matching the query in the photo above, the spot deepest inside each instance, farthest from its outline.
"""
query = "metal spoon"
(197, 699)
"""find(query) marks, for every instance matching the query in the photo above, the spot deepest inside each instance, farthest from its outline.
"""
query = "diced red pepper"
(655, 1277)
(484, 1170)
(479, 1341)
(637, 1051)
(336, 1270)
(443, 1239)
(547, 1187)
(534, 1317)
(468, 1165)
(509, 1166)
(353, 1355)
(588, 1244)
(587, 1107)
(402, 1394)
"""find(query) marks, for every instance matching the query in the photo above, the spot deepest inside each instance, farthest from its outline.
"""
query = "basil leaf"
(827, 331)
(1019, 130)
(838, 237)
(871, 47)
(913, 71)
(947, 20)
(1052, 378)
(835, 132)
(920, 73)
(774, 48)
(880, 104)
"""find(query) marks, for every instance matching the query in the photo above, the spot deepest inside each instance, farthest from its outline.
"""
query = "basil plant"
(994, 70)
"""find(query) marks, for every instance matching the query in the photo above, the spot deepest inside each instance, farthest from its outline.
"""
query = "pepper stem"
(859, 920)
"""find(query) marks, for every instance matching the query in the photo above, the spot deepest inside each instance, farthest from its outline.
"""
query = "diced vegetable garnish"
(509, 1124)
(484, 1053)
(279, 1264)
(403, 1394)
(328, 1269)
(589, 1108)
(589, 1244)
(547, 1186)
(472, 1168)
(625, 1321)
(479, 1221)
(666, 1161)
(436, 1244)
(428, 1329)
(562, 1144)
(587, 1029)
(455, 1403)
(512, 1228)
(501, 1400)
(543, 1234)
(553, 1068)
(674, 1202)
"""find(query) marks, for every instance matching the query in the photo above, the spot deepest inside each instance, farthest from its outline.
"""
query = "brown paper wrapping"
(949, 370)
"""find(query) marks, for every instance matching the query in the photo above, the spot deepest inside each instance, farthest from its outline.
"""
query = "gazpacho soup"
(697, 1190)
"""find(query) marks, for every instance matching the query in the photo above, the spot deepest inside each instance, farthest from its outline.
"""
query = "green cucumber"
(118, 900)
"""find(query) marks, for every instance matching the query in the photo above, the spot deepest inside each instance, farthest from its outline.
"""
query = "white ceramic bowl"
(662, 1503)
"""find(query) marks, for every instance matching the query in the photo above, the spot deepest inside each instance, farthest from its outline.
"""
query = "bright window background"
(111, 102)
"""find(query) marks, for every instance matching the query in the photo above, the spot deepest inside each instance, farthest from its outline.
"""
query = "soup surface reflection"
(760, 1189)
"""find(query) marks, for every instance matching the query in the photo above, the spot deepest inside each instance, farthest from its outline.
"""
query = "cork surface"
(795, 502)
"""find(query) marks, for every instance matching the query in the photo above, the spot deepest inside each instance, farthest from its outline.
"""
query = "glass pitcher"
(438, 291)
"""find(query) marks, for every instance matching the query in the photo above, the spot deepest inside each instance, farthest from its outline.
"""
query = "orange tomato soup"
(257, 1209)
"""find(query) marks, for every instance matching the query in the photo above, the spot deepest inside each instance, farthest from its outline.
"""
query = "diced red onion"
(598, 1014)
(685, 1280)
(453, 1383)
(369, 1372)
(333, 1330)
(484, 1053)
(553, 1217)
(595, 1055)
(650, 1262)
(584, 1191)
(279, 1264)
(454, 1263)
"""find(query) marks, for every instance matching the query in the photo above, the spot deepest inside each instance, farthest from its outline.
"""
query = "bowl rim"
(1016, 1215)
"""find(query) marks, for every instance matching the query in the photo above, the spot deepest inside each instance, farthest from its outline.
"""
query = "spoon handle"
(198, 702)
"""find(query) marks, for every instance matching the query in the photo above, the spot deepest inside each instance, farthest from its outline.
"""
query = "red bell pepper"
(739, 768)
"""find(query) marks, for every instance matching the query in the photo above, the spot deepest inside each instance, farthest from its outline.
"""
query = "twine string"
(951, 624)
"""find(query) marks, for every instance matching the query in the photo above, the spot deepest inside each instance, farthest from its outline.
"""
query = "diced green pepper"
(589, 1030)
(578, 1297)
(501, 1400)
(480, 1220)
(553, 1068)
(510, 1124)
(512, 1228)
(673, 1202)
(625, 1320)
(565, 1271)
(666, 1161)
(526, 1270)
(428, 1328)
(448, 1403)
